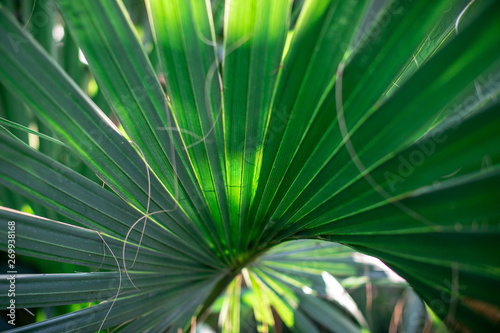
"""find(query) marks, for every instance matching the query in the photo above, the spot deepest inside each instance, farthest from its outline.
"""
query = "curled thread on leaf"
(200, 34)
(31, 14)
(346, 136)
(103, 258)
(119, 283)
(180, 130)
(145, 215)
(208, 85)
(123, 324)
(138, 246)
(461, 14)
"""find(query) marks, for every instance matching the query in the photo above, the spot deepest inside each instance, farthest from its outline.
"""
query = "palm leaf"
(329, 131)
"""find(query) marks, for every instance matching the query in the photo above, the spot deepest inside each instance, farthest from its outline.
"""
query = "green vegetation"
(231, 164)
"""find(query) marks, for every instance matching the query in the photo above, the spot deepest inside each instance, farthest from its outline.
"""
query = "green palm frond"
(252, 132)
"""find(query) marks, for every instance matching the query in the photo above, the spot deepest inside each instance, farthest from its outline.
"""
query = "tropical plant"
(249, 127)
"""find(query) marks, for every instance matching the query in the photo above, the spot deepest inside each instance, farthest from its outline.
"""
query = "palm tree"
(300, 123)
